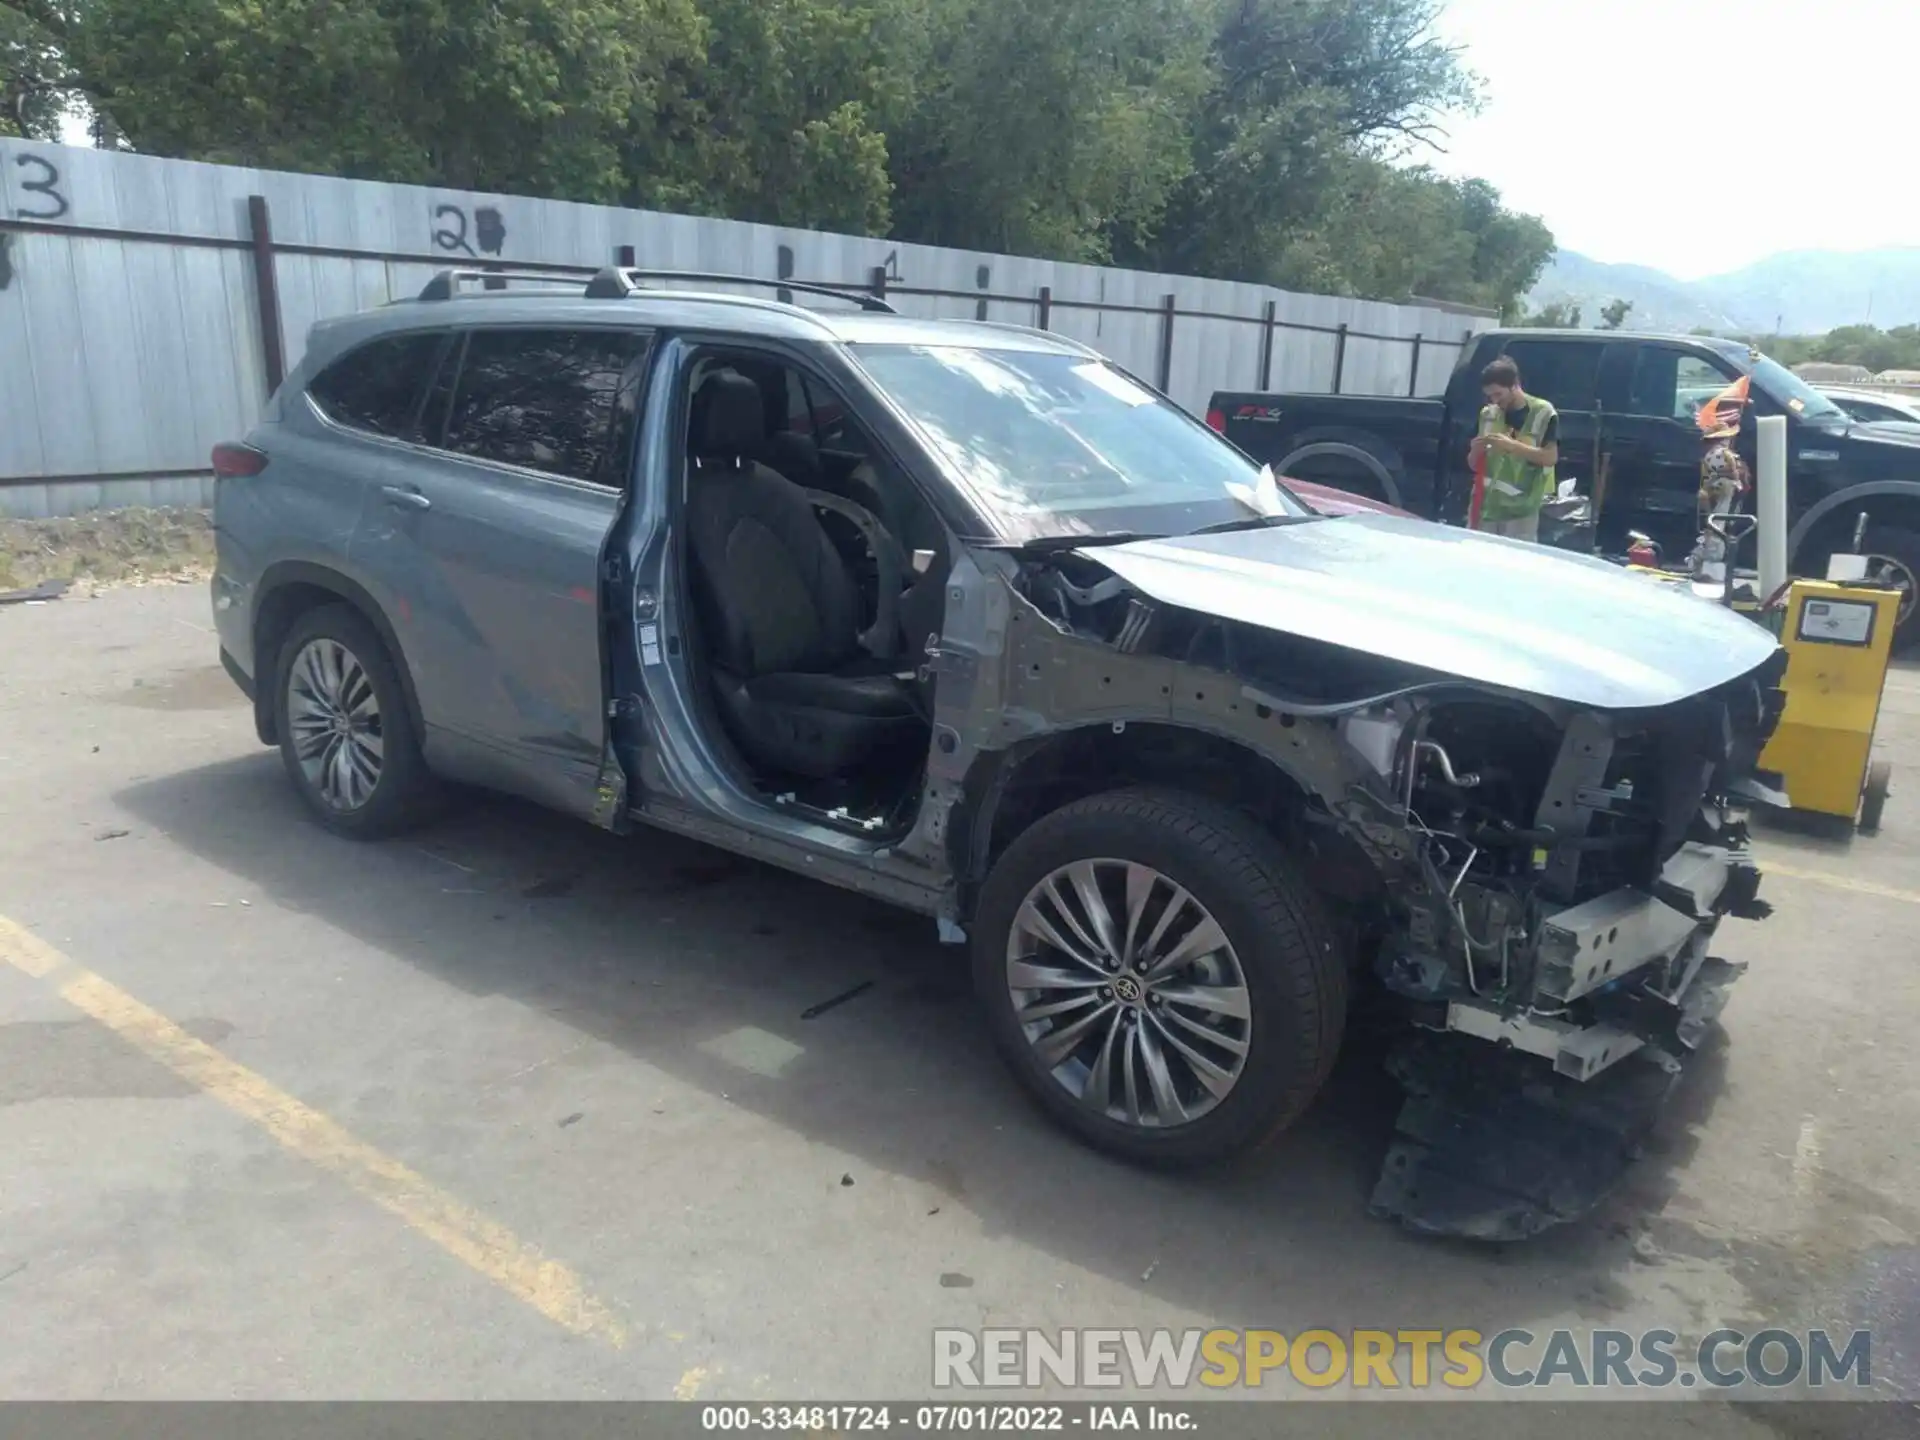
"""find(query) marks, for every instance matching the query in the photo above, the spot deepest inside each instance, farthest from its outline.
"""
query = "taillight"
(234, 462)
(1217, 420)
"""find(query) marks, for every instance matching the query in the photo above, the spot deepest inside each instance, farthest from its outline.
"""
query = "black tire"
(1892, 542)
(1902, 546)
(1873, 796)
(405, 792)
(1294, 968)
(1356, 461)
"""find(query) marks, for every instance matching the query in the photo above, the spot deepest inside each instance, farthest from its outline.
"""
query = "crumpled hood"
(1498, 612)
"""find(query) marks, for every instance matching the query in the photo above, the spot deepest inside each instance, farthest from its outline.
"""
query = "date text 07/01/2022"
(947, 1418)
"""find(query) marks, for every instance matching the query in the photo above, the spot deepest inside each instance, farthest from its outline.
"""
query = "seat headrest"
(729, 418)
(795, 456)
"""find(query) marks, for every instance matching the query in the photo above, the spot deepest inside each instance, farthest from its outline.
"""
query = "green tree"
(1510, 250)
(527, 95)
(36, 83)
(1789, 350)
(1395, 233)
(1614, 314)
(1047, 127)
(781, 116)
(1866, 345)
(1302, 90)
(1256, 139)
(1557, 316)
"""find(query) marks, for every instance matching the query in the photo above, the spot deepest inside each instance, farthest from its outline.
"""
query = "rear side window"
(1565, 373)
(1673, 385)
(377, 387)
(543, 399)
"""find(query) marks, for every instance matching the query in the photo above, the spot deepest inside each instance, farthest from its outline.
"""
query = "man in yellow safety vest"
(1519, 444)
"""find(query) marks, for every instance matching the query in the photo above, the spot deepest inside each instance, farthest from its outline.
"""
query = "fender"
(279, 576)
(971, 831)
(1346, 451)
(1908, 490)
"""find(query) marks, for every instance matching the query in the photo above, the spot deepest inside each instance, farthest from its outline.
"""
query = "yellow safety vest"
(1516, 489)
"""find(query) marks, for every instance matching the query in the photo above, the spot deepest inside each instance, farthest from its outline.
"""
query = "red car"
(1329, 501)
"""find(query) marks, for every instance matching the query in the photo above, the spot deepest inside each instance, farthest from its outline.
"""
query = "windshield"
(1793, 392)
(1057, 445)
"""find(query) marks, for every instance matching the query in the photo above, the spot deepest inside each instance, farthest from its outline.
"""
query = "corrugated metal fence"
(147, 305)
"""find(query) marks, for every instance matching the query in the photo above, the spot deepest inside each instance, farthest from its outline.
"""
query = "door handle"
(402, 498)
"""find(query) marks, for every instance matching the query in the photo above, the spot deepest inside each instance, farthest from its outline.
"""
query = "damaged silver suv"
(965, 617)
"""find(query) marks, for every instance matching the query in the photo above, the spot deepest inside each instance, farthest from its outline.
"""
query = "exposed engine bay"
(1546, 881)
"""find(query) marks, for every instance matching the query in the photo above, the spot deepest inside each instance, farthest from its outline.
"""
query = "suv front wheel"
(345, 733)
(1158, 976)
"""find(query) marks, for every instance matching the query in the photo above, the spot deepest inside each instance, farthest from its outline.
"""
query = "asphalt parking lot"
(515, 1109)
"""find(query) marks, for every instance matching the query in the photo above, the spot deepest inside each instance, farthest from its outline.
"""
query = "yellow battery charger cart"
(1839, 639)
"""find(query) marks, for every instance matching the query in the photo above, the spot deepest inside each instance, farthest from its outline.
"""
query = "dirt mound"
(107, 547)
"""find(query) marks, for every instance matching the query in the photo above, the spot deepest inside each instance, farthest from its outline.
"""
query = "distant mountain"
(1660, 302)
(1803, 292)
(1808, 292)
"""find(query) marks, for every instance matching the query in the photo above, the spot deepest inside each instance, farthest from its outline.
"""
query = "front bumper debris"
(1490, 1145)
(1502, 1143)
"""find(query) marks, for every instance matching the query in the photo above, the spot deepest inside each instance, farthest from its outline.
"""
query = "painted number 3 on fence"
(37, 191)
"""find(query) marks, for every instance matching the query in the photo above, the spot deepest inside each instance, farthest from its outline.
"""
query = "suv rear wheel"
(1158, 977)
(345, 734)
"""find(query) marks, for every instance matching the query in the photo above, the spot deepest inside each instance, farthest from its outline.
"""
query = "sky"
(1613, 120)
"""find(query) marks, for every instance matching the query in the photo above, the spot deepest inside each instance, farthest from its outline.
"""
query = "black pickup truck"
(1628, 439)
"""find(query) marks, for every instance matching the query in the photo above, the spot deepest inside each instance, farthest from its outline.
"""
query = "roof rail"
(446, 284)
(618, 283)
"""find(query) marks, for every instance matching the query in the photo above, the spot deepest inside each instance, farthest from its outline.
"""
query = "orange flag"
(1721, 415)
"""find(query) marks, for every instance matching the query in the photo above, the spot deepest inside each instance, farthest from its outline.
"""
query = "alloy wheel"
(1129, 993)
(333, 717)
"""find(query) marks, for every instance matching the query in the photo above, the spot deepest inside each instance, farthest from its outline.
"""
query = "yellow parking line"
(470, 1237)
(27, 952)
(1839, 882)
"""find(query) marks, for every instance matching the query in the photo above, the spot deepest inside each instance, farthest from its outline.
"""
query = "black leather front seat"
(795, 692)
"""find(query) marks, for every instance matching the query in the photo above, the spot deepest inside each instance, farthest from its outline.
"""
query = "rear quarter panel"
(304, 507)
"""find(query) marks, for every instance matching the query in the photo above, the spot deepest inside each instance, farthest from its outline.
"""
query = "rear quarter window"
(376, 387)
(1565, 373)
(544, 400)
